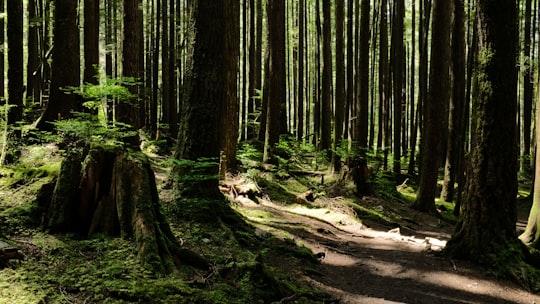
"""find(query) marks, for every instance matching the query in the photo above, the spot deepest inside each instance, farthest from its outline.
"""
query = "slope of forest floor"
(313, 241)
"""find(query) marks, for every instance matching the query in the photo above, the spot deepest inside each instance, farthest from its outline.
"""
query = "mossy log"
(113, 191)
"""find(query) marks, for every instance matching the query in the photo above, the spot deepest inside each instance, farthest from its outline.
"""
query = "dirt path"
(381, 265)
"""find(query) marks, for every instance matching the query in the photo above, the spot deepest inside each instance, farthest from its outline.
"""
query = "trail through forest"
(379, 263)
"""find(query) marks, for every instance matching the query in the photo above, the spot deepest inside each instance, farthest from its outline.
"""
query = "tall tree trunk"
(229, 119)
(275, 77)
(326, 92)
(397, 61)
(384, 83)
(362, 118)
(251, 116)
(15, 59)
(350, 68)
(166, 99)
(33, 79)
(412, 88)
(531, 235)
(527, 90)
(300, 75)
(204, 100)
(91, 40)
(128, 111)
(65, 65)
(456, 142)
(340, 84)
(438, 100)
(471, 59)
(425, 13)
(317, 76)
(487, 227)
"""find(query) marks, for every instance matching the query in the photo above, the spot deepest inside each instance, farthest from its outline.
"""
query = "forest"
(305, 151)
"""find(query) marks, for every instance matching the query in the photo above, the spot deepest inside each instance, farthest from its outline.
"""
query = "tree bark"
(275, 78)
(204, 100)
(229, 120)
(487, 227)
(438, 101)
(527, 90)
(362, 121)
(340, 84)
(15, 59)
(397, 62)
(326, 92)
(91, 41)
(113, 193)
(456, 140)
(65, 65)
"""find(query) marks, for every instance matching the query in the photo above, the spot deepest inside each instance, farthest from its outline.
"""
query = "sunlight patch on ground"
(462, 283)
(13, 290)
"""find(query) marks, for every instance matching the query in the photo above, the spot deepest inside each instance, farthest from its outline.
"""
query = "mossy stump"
(112, 191)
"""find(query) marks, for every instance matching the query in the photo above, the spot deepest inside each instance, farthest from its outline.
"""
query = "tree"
(397, 61)
(204, 100)
(438, 100)
(340, 84)
(275, 77)
(456, 139)
(65, 65)
(527, 89)
(301, 56)
(229, 120)
(363, 85)
(91, 40)
(423, 34)
(15, 59)
(531, 235)
(487, 227)
(33, 67)
(326, 91)
(112, 189)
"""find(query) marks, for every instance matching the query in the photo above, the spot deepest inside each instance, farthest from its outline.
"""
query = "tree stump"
(113, 191)
(358, 170)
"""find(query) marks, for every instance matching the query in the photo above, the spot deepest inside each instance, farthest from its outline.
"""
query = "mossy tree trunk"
(486, 231)
(113, 191)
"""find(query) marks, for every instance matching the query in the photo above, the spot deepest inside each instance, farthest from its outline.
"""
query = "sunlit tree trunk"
(527, 89)
(531, 235)
(487, 227)
(438, 99)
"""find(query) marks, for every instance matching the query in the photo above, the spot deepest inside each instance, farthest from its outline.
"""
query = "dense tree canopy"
(411, 94)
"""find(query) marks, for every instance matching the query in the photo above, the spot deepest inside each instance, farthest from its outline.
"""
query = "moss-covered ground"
(256, 254)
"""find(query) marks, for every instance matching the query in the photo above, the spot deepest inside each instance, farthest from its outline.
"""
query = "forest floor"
(373, 249)
(382, 252)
